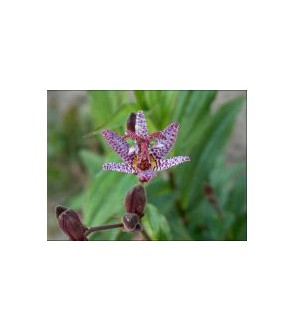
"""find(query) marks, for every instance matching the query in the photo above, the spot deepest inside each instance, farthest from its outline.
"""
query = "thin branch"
(103, 227)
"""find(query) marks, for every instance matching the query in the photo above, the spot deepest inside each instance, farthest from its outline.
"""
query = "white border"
(112, 286)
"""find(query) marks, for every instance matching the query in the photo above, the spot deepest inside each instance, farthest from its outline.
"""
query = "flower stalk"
(102, 228)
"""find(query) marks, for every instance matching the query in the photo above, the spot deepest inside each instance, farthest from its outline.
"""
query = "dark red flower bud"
(70, 223)
(131, 222)
(135, 200)
(131, 122)
(208, 190)
(59, 210)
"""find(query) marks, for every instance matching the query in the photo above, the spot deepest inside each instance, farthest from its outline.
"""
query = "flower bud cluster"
(71, 224)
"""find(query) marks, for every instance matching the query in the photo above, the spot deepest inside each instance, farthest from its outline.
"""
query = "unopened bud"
(135, 200)
(70, 223)
(208, 190)
(131, 222)
(59, 210)
(131, 122)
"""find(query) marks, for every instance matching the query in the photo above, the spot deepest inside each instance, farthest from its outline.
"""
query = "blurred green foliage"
(178, 209)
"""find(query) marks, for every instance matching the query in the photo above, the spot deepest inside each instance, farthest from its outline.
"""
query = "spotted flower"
(146, 157)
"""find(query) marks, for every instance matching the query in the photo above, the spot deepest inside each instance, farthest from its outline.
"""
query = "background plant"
(205, 200)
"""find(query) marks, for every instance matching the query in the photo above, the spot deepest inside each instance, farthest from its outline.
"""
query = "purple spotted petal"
(124, 168)
(170, 162)
(118, 144)
(146, 176)
(140, 125)
(163, 145)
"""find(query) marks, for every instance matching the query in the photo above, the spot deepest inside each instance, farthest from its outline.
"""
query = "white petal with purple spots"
(140, 125)
(163, 145)
(118, 144)
(123, 168)
(170, 162)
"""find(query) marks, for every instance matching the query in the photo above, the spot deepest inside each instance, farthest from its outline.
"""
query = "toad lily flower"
(145, 158)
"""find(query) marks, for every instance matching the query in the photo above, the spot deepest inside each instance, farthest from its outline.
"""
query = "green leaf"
(238, 231)
(104, 104)
(156, 224)
(181, 104)
(76, 202)
(212, 135)
(160, 105)
(105, 235)
(140, 97)
(118, 120)
(194, 117)
(223, 178)
(237, 197)
(160, 195)
(105, 197)
(92, 162)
